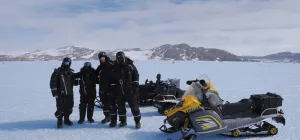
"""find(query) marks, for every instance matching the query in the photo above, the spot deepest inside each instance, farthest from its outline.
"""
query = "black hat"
(102, 54)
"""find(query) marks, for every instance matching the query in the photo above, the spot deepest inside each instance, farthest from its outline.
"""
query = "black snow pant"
(64, 106)
(118, 106)
(104, 98)
(86, 103)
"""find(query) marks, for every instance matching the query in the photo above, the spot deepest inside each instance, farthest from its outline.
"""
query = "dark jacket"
(104, 74)
(87, 82)
(126, 73)
(62, 81)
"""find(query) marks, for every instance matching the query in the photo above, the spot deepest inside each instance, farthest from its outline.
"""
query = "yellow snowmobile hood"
(187, 104)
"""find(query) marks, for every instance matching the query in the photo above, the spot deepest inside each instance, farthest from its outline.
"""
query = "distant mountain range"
(164, 52)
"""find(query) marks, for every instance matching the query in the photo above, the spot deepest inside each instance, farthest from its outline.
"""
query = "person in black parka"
(125, 89)
(104, 71)
(61, 84)
(87, 90)
(158, 79)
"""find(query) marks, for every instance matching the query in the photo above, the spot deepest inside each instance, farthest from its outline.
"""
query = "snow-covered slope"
(164, 52)
(27, 106)
(186, 52)
(75, 53)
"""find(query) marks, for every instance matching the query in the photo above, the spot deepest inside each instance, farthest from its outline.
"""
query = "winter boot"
(91, 120)
(59, 122)
(81, 115)
(123, 124)
(106, 119)
(137, 125)
(67, 121)
(80, 121)
(137, 119)
(90, 112)
(82, 111)
(113, 124)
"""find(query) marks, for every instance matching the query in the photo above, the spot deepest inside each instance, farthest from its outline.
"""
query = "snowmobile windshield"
(196, 88)
(171, 82)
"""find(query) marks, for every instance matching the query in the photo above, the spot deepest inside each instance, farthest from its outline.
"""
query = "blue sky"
(243, 27)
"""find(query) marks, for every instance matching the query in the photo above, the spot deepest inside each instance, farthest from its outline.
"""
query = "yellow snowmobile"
(246, 117)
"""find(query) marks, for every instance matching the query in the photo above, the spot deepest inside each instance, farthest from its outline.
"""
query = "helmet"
(66, 62)
(102, 54)
(87, 64)
(120, 57)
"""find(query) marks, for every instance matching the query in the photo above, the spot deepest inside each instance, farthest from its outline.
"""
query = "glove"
(189, 82)
(135, 87)
(54, 92)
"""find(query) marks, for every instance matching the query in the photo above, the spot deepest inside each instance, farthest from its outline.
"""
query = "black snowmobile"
(146, 94)
(168, 95)
(246, 117)
(149, 91)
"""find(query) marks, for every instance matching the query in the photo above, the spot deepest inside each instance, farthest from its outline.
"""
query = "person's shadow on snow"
(28, 125)
(155, 135)
(149, 135)
(47, 124)
(145, 114)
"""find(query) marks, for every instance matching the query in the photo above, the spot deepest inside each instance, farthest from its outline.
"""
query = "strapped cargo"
(261, 102)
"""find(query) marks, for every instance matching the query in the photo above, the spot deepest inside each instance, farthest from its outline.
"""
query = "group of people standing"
(118, 83)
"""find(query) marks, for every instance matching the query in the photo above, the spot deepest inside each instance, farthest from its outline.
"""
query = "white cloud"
(243, 27)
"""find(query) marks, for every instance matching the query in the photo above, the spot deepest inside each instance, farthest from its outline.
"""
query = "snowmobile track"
(248, 135)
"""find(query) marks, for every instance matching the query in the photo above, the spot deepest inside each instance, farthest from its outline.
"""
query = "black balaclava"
(66, 63)
(120, 57)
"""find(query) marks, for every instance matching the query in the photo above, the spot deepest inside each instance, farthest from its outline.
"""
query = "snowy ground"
(27, 107)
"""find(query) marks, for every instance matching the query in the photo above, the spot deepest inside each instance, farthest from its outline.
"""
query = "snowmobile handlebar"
(189, 82)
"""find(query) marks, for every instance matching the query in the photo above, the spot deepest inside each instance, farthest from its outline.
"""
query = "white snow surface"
(13, 53)
(88, 55)
(27, 106)
(139, 55)
(52, 52)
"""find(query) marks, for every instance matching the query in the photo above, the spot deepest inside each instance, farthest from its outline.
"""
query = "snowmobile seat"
(241, 115)
(244, 106)
(146, 92)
